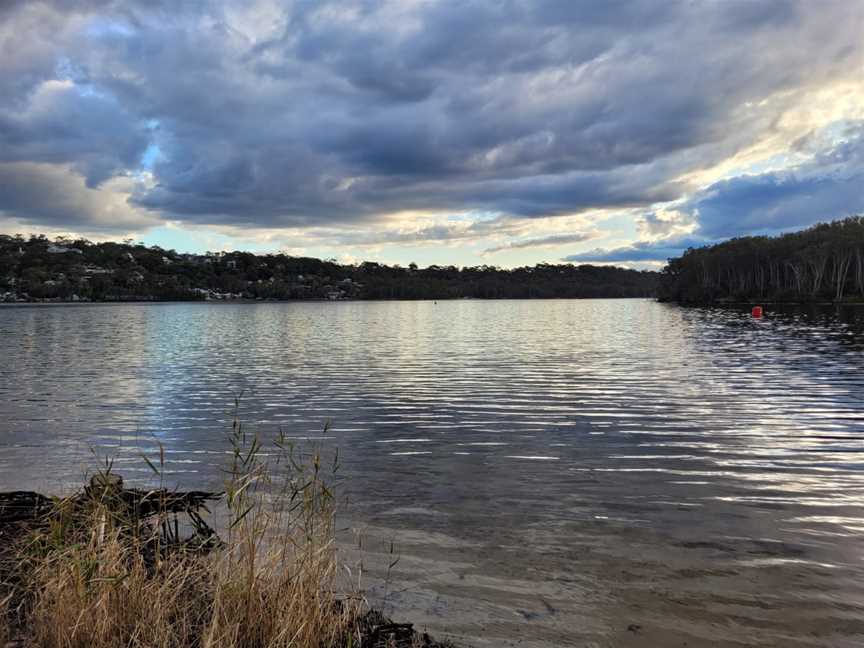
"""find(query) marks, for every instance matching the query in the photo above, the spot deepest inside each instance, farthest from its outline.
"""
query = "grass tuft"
(97, 572)
(117, 567)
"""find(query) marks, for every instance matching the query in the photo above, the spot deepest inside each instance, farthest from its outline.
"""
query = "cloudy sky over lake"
(503, 132)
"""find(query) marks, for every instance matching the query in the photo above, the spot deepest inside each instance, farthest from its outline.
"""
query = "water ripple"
(688, 467)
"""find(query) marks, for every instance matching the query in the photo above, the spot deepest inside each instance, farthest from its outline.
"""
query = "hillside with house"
(39, 269)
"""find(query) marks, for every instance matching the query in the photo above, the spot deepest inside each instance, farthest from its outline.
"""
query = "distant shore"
(713, 304)
(37, 268)
(757, 302)
(82, 302)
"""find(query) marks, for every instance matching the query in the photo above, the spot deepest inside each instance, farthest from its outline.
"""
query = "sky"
(499, 132)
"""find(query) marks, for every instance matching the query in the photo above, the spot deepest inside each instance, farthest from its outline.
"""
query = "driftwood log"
(23, 506)
(137, 511)
(377, 631)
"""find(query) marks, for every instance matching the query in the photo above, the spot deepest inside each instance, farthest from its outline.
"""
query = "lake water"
(587, 473)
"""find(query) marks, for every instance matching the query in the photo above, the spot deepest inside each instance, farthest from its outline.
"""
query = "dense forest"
(38, 269)
(822, 263)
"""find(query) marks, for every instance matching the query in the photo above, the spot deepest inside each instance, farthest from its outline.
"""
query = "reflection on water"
(605, 473)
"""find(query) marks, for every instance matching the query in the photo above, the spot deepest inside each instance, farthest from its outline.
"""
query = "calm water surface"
(588, 473)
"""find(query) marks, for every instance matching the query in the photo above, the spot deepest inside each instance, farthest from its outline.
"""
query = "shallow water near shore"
(588, 473)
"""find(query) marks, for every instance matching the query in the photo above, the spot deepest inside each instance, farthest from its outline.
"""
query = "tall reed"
(5, 614)
(94, 578)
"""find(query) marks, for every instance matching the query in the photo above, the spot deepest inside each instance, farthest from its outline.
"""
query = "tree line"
(822, 263)
(36, 268)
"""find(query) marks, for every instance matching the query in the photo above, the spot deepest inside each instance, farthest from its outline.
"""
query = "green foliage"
(822, 263)
(64, 270)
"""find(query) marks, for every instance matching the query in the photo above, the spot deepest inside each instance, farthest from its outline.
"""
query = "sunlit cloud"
(553, 240)
(55, 197)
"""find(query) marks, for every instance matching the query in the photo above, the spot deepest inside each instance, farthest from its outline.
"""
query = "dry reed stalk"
(93, 579)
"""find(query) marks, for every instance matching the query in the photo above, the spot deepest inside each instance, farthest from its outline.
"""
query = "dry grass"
(5, 635)
(92, 579)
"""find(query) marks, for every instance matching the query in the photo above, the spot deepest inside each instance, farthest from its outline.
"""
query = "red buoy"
(757, 312)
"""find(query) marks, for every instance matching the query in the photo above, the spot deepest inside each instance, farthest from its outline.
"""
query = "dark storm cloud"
(830, 186)
(42, 196)
(93, 133)
(56, 197)
(320, 113)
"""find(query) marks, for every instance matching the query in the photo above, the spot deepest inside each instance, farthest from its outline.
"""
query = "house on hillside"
(96, 270)
(59, 249)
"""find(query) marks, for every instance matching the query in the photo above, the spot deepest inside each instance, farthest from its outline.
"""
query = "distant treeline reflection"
(36, 268)
(822, 263)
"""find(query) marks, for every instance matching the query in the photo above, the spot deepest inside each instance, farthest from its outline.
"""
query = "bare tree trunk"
(818, 268)
(859, 272)
(796, 276)
(841, 269)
